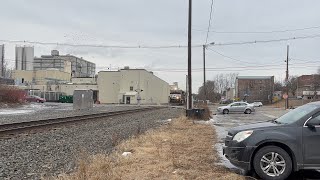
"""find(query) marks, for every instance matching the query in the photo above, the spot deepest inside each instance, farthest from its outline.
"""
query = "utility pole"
(2, 61)
(287, 78)
(204, 73)
(189, 56)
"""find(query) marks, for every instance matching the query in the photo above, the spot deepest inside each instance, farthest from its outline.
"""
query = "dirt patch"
(179, 150)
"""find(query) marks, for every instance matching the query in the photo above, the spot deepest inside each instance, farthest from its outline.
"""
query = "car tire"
(225, 111)
(264, 166)
(247, 111)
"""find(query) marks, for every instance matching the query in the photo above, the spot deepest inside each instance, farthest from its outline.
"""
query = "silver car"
(237, 107)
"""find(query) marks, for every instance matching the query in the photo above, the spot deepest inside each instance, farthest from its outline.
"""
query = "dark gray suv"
(276, 148)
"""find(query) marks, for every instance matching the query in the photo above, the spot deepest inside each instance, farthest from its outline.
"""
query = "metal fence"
(50, 96)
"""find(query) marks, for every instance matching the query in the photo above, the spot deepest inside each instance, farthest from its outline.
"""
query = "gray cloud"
(154, 22)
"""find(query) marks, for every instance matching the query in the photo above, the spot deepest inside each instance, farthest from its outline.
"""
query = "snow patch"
(15, 111)
(125, 154)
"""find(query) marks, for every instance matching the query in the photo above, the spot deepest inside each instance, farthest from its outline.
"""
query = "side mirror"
(310, 126)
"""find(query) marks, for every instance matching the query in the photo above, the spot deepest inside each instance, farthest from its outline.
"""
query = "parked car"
(257, 104)
(276, 148)
(37, 99)
(237, 107)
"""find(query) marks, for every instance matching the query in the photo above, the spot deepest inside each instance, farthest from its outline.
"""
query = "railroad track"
(15, 128)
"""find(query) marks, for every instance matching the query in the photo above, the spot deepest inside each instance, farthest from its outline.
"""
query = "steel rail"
(13, 128)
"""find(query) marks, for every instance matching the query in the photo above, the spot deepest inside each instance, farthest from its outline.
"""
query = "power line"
(99, 46)
(266, 41)
(161, 47)
(210, 18)
(239, 69)
(260, 32)
(227, 56)
(234, 67)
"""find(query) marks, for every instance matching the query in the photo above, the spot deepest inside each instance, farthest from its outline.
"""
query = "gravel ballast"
(38, 111)
(50, 153)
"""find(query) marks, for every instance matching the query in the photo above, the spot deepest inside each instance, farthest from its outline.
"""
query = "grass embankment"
(179, 150)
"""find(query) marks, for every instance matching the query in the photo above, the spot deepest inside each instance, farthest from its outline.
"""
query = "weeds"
(179, 150)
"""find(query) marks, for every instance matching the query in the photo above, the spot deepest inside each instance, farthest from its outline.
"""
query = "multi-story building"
(309, 87)
(255, 88)
(77, 67)
(130, 85)
(24, 58)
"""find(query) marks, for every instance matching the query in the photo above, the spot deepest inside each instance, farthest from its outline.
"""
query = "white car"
(257, 104)
(236, 107)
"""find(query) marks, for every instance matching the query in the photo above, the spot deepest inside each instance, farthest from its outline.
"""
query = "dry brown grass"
(180, 150)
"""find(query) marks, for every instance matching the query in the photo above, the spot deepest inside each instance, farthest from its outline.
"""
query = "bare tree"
(278, 86)
(212, 95)
(292, 84)
(225, 81)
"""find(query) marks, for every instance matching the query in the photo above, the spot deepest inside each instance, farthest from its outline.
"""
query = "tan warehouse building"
(128, 85)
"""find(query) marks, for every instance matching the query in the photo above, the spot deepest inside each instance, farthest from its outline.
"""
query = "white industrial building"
(127, 86)
(24, 58)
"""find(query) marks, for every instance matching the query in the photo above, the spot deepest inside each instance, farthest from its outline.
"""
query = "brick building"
(309, 86)
(255, 88)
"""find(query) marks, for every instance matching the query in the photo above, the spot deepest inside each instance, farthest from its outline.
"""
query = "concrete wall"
(40, 77)
(70, 88)
(115, 87)
(84, 80)
(109, 86)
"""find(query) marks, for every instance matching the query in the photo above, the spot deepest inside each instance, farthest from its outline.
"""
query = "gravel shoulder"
(54, 152)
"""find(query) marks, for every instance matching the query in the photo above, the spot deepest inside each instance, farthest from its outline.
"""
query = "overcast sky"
(164, 22)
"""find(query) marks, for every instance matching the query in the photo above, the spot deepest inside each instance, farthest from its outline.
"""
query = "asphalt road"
(224, 122)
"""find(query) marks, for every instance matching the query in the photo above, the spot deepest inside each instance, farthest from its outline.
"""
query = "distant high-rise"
(24, 58)
(2, 70)
(77, 67)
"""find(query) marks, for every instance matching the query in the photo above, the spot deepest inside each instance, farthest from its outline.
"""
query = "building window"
(131, 88)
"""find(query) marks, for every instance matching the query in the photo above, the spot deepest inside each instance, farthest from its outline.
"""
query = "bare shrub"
(10, 94)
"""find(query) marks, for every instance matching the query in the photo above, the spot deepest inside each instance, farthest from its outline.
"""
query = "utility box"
(82, 99)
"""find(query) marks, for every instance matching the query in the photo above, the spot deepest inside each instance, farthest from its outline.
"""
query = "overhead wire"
(259, 32)
(98, 45)
(161, 47)
(210, 18)
(266, 41)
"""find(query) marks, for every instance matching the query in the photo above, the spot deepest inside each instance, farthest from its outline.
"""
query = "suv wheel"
(247, 111)
(225, 111)
(272, 162)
